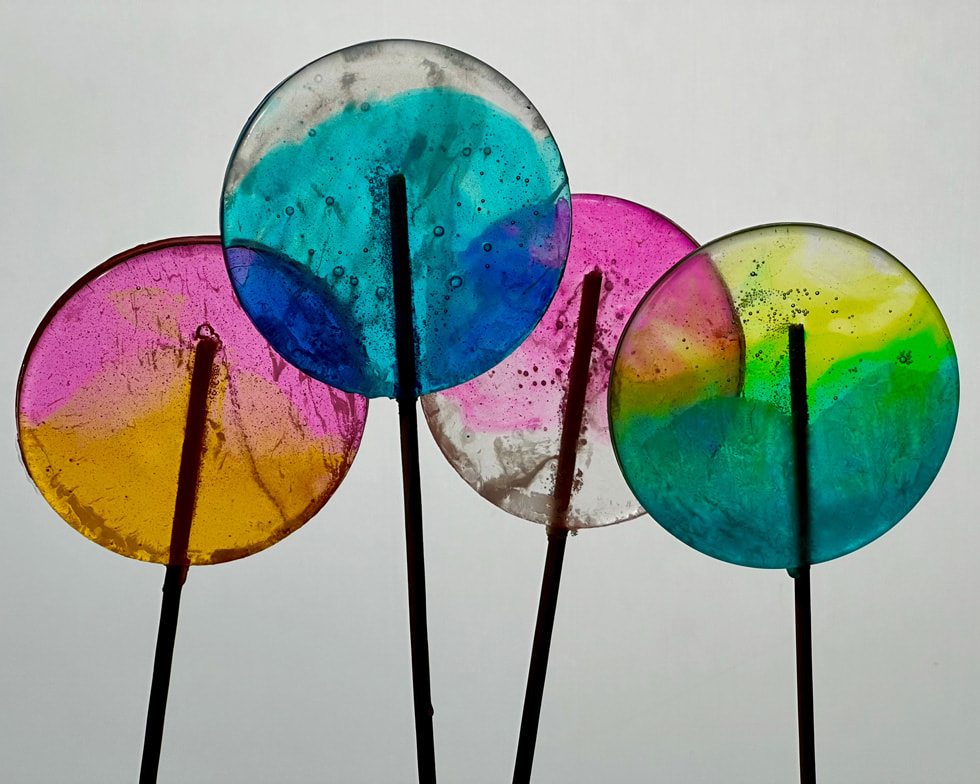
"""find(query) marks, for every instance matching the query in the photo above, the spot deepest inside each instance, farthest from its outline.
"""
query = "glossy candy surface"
(102, 406)
(700, 403)
(502, 430)
(305, 218)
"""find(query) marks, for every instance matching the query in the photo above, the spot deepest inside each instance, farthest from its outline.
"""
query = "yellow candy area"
(108, 460)
(852, 298)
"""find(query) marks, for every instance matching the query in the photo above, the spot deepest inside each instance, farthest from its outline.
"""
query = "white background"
(667, 666)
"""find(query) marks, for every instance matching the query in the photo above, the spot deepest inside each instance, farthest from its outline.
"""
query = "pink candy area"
(632, 246)
(502, 430)
(154, 299)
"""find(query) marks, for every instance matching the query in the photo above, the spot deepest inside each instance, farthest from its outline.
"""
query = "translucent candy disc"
(103, 399)
(305, 216)
(700, 403)
(502, 430)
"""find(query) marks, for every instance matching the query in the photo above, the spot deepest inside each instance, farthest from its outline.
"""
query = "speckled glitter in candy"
(700, 402)
(305, 220)
(502, 430)
(102, 406)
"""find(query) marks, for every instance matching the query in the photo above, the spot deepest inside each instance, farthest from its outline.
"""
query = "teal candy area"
(875, 452)
(307, 238)
(718, 474)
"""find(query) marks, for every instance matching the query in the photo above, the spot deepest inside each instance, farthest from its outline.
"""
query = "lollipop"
(157, 422)
(306, 218)
(395, 221)
(532, 435)
(782, 397)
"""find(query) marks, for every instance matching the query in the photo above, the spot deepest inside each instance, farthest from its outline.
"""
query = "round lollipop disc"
(700, 401)
(102, 406)
(502, 430)
(306, 222)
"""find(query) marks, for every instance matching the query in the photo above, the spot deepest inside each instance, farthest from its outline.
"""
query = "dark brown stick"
(190, 466)
(578, 382)
(804, 636)
(405, 348)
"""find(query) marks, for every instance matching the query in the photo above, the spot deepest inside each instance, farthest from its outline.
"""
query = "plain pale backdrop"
(667, 666)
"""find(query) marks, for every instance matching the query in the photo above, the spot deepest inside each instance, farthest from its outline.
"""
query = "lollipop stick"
(578, 382)
(405, 344)
(804, 638)
(190, 466)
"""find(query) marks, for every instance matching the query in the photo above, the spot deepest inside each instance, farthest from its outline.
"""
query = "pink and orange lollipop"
(159, 423)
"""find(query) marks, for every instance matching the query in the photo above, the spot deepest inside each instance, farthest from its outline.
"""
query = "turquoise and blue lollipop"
(305, 217)
(395, 220)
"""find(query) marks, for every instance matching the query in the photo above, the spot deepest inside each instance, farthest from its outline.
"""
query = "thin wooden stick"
(405, 348)
(804, 636)
(578, 382)
(192, 452)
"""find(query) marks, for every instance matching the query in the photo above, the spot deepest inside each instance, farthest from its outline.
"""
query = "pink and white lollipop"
(532, 434)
